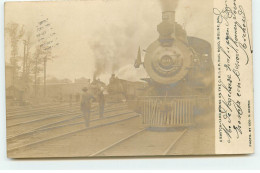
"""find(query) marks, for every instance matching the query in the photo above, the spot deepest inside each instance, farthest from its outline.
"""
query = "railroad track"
(46, 125)
(64, 124)
(19, 108)
(170, 147)
(53, 115)
(118, 142)
(126, 139)
(12, 111)
(17, 127)
(70, 133)
(74, 118)
(40, 107)
(52, 125)
(36, 117)
(42, 111)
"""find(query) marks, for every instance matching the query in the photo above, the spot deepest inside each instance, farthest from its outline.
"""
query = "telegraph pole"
(35, 74)
(44, 80)
(24, 57)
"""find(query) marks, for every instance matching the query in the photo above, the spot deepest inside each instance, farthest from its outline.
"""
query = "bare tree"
(15, 32)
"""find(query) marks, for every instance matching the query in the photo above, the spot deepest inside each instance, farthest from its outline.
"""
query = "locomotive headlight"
(167, 61)
(169, 64)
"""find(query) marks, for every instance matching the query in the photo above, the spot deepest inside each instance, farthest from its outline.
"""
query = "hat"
(85, 89)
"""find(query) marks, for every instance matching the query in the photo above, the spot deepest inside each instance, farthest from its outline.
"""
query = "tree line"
(29, 64)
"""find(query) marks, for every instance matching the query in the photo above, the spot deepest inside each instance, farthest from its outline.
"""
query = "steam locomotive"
(181, 77)
(120, 90)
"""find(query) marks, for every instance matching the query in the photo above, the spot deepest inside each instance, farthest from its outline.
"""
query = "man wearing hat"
(85, 105)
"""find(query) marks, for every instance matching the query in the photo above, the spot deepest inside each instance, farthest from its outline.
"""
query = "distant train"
(123, 90)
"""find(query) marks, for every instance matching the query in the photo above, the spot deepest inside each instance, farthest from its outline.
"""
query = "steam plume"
(112, 50)
(169, 5)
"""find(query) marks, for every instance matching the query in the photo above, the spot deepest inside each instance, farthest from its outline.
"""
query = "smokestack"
(168, 16)
(166, 28)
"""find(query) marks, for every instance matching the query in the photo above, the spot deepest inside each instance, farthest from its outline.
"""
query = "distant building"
(11, 91)
(9, 75)
(56, 81)
(57, 90)
(82, 80)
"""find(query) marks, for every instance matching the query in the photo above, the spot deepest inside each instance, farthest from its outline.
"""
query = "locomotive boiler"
(181, 76)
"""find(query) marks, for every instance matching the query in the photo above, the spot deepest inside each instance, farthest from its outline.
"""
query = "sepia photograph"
(100, 78)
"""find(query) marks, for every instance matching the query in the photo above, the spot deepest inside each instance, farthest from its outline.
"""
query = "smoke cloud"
(169, 5)
(113, 47)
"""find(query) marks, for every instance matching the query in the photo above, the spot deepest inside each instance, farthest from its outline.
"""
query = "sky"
(102, 36)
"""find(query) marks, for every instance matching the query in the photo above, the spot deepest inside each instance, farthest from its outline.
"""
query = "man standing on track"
(85, 105)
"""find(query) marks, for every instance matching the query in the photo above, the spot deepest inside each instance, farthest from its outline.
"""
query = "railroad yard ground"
(58, 130)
